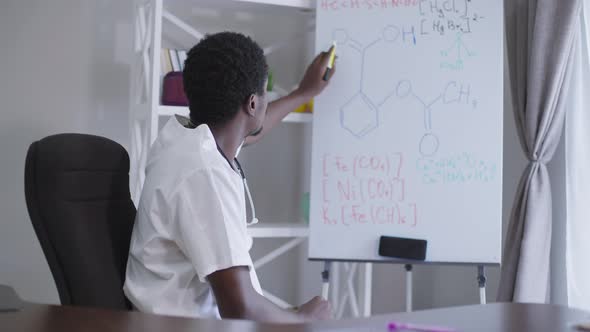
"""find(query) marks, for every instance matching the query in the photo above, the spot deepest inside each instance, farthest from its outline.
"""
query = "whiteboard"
(407, 138)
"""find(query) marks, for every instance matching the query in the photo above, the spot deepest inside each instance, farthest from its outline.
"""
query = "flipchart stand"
(357, 305)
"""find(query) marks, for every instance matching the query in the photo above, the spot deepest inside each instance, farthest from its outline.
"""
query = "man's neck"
(228, 138)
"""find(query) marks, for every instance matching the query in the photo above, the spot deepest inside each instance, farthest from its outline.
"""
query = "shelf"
(273, 7)
(298, 117)
(165, 110)
(303, 4)
(278, 230)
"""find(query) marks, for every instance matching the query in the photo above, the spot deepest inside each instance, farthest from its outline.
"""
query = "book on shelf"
(174, 60)
(165, 64)
(172, 90)
(181, 58)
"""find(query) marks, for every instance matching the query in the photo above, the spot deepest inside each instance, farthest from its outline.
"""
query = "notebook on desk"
(9, 300)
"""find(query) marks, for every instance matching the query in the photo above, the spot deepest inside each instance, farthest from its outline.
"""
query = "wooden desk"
(491, 317)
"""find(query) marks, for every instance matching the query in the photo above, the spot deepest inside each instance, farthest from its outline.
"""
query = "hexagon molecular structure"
(359, 116)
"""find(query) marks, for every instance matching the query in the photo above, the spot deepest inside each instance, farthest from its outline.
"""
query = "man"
(189, 252)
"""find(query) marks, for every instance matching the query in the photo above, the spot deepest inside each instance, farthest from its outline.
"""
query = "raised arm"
(310, 86)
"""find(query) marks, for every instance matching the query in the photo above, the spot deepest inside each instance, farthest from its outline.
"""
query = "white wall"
(63, 69)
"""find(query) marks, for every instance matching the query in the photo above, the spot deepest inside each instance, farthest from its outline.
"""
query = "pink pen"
(396, 326)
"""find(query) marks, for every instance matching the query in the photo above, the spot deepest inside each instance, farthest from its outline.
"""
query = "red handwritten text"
(365, 190)
(335, 5)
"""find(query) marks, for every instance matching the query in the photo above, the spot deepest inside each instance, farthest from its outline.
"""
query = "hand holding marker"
(330, 62)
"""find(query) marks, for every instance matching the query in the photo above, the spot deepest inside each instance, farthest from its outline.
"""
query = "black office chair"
(77, 193)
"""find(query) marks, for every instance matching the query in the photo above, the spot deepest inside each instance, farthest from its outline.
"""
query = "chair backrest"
(77, 193)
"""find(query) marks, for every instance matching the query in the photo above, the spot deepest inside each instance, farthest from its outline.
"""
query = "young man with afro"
(189, 253)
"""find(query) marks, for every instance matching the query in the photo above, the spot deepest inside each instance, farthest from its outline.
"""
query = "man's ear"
(251, 104)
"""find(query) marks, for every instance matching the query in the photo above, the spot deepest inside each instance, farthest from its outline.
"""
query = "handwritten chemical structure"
(337, 5)
(366, 190)
(458, 49)
(436, 16)
(442, 16)
(452, 93)
(460, 168)
(360, 114)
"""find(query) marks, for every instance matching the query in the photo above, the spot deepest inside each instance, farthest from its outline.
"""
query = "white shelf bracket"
(182, 25)
(280, 90)
(278, 252)
(367, 289)
(277, 300)
(145, 41)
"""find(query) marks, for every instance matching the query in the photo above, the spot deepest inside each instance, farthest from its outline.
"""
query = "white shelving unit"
(147, 112)
(279, 230)
(306, 4)
(165, 110)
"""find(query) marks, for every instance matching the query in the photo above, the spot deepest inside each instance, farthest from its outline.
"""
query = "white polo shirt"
(191, 222)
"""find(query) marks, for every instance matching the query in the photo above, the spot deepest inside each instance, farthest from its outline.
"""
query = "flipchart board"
(407, 138)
